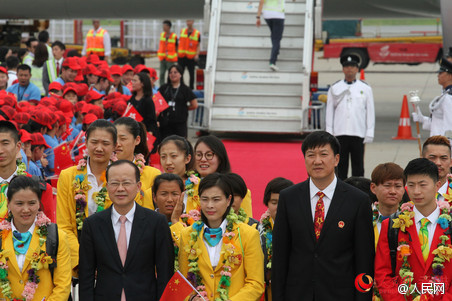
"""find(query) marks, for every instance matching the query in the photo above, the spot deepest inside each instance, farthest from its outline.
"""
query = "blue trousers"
(276, 28)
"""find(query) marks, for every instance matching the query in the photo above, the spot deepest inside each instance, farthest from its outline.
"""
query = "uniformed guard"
(440, 120)
(350, 116)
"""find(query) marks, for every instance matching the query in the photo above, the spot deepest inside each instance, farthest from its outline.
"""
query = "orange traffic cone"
(404, 131)
(362, 75)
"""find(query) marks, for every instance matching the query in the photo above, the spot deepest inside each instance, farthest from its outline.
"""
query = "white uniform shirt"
(441, 115)
(431, 227)
(107, 43)
(328, 191)
(117, 223)
(214, 252)
(442, 190)
(350, 110)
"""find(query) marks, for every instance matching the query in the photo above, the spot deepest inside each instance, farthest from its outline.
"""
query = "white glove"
(368, 139)
(418, 116)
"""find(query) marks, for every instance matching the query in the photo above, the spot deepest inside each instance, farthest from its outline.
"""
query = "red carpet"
(260, 162)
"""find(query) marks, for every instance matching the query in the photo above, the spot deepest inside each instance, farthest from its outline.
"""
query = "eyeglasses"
(116, 185)
(208, 155)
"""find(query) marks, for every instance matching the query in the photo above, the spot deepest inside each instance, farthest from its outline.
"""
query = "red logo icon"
(361, 285)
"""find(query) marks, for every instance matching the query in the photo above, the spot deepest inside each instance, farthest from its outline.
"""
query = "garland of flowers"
(140, 162)
(442, 253)
(375, 213)
(267, 226)
(21, 168)
(242, 216)
(231, 257)
(187, 220)
(38, 260)
(448, 195)
(81, 187)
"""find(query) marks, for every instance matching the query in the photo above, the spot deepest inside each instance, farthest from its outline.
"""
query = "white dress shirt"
(328, 191)
(443, 190)
(12, 76)
(214, 252)
(350, 110)
(8, 180)
(92, 180)
(117, 223)
(20, 258)
(431, 227)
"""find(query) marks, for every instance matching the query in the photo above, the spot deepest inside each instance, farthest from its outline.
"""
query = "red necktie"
(122, 246)
(319, 216)
(58, 68)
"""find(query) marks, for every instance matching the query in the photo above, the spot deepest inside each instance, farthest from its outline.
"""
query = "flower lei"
(267, 226)
(242, 215)
(81, 188)
(38, 260)
(140, 162)
(187, 220)
(375, 213)
(442, 253)
(448, 195)
(21, 168)
(231, 257)
(191, 182)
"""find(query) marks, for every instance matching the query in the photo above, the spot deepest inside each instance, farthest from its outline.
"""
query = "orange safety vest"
(95, 43)
(167, 48)
(188, 44)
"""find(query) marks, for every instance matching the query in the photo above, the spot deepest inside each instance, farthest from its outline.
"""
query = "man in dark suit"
(323, 235)
(129, 247)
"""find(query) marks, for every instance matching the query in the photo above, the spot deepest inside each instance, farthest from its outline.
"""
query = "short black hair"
(422, 166)
(218, 148)
(320, 138)
(103, 125)
(363, 184)
(8, 127)
(12, 62)
(22, 183)
(31, 39)
(167, 177)
(275, 186)
(59, 44)
(167, 22)
(23, 67)
(122, 162)
(43, 36)
(221, 181)
(238, 184)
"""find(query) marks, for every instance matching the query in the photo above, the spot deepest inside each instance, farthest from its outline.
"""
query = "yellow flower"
(4, 255)
(403, 221)
(44, 261)
(443, 252)
(193, 251)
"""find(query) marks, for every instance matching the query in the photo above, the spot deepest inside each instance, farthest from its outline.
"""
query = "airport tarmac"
(389, 84)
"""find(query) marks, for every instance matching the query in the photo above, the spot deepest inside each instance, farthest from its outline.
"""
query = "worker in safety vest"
(97, 42)
(52, 68)
(32, 43)
(188, 50)
(167, 50)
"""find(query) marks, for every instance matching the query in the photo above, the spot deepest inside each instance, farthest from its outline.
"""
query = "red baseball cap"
(62, 118)
(21, 118)
(78, 107)
(86, 108)
(38, 139)
(68, 89)
(89, 118)
(42, 117)
(153, 73)
(3, 70)
(24, 136)
(93, 59)
(115, 70)
(108, 103)
(82, 89)
(96, 110)
(8, 112)
(47, 101)
(93, 96)
(90, 69)
(126, 68)
(72, 63)
(141, 68)
(23, 106)
(79, 76)
(55, 86)
(119, 107)
(104, 73)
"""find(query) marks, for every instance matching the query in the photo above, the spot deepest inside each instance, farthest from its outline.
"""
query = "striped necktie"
(423, 237)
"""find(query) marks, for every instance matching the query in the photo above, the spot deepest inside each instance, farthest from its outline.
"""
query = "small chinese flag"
(178, 288)
(66, 134)
(132, 113)
(159, 103)
(150, 140)
(63, 158)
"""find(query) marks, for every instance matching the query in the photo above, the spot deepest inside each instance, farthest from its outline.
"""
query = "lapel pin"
(341, 224)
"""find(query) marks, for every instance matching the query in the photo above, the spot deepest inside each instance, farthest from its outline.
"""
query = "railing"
(314, 117)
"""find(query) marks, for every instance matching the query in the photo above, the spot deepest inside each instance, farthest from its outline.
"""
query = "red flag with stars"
(63, 157)
(132, 113)
(178, 288)
(159, 103)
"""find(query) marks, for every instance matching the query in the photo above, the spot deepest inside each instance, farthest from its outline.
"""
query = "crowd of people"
(120, 228)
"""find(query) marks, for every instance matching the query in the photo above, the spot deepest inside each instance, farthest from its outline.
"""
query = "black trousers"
(351, 146)
(190, 64)
(169, 129)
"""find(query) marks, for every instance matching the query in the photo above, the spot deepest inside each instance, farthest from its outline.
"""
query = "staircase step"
(260, 53)
(235, 18)
(291, 8)
(259, 77)
(257, 65)
(263, 88)
(258, 42)
(258, 101)
(263, 31)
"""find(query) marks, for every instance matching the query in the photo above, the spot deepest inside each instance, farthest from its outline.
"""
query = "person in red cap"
(24, 89)
(55, 88)
(95, 98)
(97, 42)
(3, 78)
(69, 71)
(38, 146)
(92, 75)
(127, 75)
(103, 84)
(70, 93)
(116, 75)
(87, 120)
(52, 68)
